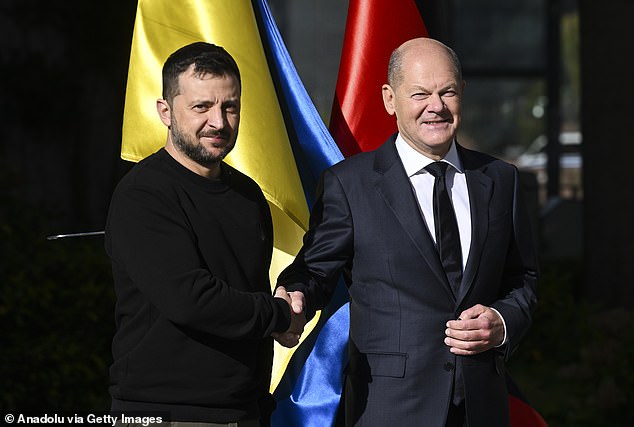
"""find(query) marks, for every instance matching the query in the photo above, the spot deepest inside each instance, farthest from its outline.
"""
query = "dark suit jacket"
(366, 221)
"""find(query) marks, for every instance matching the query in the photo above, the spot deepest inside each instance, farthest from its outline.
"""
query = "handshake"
(295, 300)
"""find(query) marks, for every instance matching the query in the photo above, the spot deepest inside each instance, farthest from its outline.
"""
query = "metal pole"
(85, 234)
(553, 82)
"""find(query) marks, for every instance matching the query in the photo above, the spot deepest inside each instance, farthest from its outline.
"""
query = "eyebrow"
(235, 100)
(453, 85)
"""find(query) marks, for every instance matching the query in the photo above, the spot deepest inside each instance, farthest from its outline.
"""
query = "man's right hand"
(295, 300)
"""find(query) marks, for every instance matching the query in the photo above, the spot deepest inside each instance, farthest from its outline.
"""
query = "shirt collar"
(413, 161)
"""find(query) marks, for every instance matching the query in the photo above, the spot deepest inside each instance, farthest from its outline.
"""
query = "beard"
(193, 149)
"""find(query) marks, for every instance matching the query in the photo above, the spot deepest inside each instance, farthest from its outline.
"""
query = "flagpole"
(84, 234)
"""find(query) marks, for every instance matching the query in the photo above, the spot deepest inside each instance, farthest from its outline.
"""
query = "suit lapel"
(480, 188)
(394, 187)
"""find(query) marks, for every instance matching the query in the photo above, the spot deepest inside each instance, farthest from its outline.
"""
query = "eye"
(419, 96)
(232, 108)
(449, 93)
(200, 107)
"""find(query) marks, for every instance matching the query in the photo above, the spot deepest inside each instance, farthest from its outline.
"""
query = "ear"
(163, 109)
(388, 99)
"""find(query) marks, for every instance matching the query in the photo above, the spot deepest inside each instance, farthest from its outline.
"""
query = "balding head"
(422, 47)
(425, 94)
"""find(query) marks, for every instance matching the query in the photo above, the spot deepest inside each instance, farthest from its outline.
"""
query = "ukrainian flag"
(282, 144)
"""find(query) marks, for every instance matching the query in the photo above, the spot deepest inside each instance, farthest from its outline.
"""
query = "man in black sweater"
(190, 239)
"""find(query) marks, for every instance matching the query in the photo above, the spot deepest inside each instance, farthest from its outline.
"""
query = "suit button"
(448, 366)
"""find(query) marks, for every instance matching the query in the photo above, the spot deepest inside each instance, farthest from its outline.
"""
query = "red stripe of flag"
(374, 28)
(523, 414)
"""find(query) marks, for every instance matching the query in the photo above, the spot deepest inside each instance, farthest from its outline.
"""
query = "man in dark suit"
(428, 340)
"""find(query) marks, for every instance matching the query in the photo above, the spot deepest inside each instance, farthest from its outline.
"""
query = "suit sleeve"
(520, 275)
(327, 248)
(153, 247)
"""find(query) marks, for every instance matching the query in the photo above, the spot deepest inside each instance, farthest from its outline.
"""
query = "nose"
(216, 118)
(435, 102)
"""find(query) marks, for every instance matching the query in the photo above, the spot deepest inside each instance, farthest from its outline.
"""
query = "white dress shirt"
(423, 185)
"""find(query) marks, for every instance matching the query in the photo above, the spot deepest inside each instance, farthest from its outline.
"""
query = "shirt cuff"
(504, 324)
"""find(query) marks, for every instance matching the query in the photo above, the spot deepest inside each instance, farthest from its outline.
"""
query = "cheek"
(196, 124)
(185, 121)
(234, 121)
(455, 107)
(404, 112)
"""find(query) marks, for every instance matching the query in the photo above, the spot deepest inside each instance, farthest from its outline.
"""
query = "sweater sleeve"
(153, 248)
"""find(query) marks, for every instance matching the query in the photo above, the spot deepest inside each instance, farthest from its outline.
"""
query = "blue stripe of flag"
(309, 392)
(312, 144)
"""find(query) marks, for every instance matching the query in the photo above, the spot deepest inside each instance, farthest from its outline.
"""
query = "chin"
(220, 153)
(439, 141)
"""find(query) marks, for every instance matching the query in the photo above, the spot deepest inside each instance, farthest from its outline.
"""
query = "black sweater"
(194, 313)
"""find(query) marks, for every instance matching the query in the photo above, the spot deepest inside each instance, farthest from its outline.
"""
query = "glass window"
(503, 116)
(499, 34)
(504, 53)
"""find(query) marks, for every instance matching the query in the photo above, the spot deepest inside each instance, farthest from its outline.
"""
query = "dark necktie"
(448, 244)
(446, 225)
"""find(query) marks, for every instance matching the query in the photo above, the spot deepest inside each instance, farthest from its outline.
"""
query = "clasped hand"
(478, 329)
(295, 300)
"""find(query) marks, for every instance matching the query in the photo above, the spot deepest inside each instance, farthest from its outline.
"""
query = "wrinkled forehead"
(431, 57)
(439, 70)
(199, 79)
(203, 74)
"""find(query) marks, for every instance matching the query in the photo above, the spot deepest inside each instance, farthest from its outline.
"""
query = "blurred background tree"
(56, 321)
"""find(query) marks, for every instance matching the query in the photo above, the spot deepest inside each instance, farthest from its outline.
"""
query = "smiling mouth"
(216, 137)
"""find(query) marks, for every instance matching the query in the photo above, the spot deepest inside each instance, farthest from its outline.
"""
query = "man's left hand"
(478, 329)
